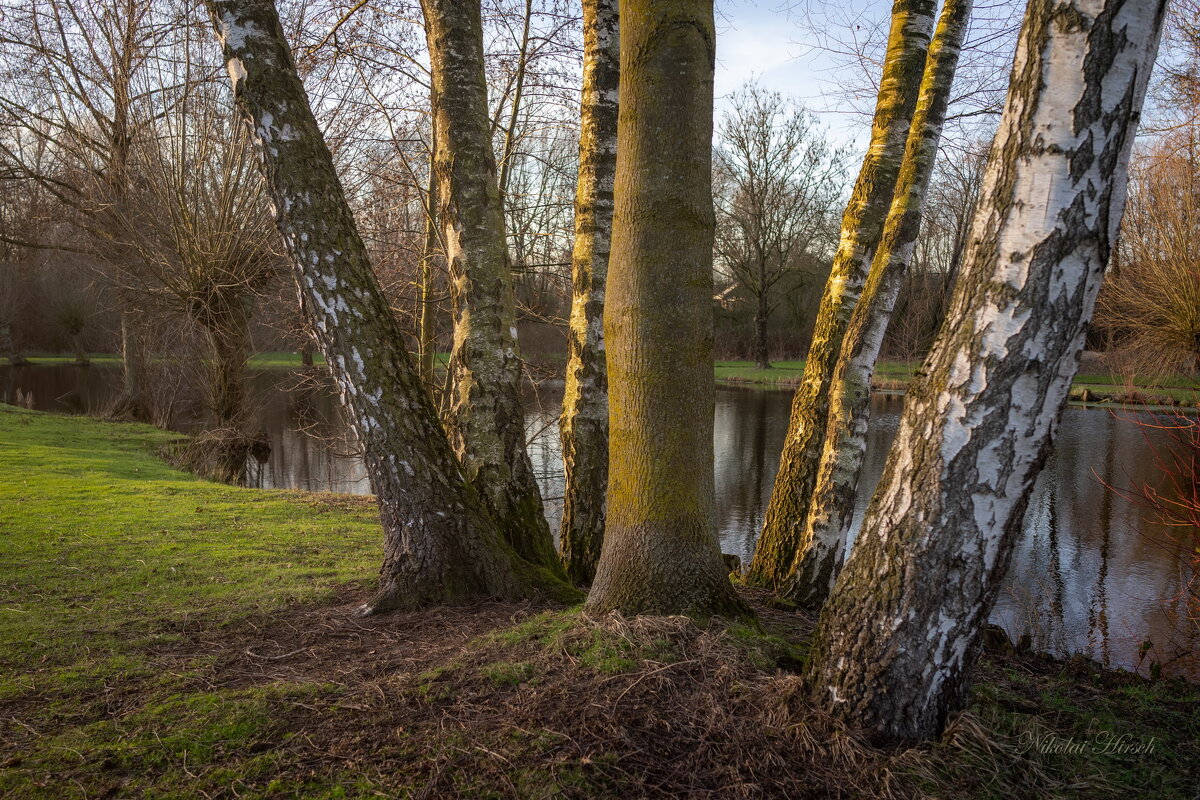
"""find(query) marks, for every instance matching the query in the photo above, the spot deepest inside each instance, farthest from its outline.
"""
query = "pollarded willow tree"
(831, 508)
(584, 422)
(485, 420)
(660, 553)
(441, 542)
(897, 639)
(862, 226)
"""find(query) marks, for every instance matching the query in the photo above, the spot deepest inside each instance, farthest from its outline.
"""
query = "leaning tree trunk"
(486, 422)
(660, 552)
(862, 225)
(584, 422)
(831, 508)
(897, 639)
(441, 545)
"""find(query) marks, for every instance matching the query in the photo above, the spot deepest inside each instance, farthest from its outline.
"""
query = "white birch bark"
(441, 544)
(584, 422)
(862, 225)
(831, 509)
(900, 632)
(486, 422)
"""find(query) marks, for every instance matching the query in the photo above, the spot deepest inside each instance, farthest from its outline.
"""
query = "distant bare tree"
(779, 185)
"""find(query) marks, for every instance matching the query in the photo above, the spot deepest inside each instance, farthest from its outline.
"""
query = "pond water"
(1091, 573)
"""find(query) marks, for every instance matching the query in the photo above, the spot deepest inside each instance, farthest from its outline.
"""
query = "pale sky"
(759, 39)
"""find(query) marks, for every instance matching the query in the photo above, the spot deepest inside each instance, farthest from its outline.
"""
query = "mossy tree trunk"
(831, 508)
(897, 639)
(584, 422)
(862, 226)
(485, 419)
(660, 553)
(441, 544)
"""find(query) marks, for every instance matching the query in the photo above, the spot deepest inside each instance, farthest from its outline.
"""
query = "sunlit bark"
(660, 552)
(831, 508)
(862, 226)
(441, 545)
(485, 420)
(584, 422)
(897, 639)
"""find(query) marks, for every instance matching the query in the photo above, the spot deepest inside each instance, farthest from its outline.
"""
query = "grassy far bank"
(162, 636)
(894, 375)
(890, 375)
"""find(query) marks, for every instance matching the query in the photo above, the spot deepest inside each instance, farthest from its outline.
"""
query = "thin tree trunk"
(441, 545)
(510, 133)
(762, 358)
(660, 552)
(133, 359)
(584, 422)
(486, 422)
(428, 322)
(831, 508)
(862, 226)
(897, 639)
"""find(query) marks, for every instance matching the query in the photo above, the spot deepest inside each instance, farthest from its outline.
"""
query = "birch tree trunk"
(441, 545)
(862, 225)
(831, 508)
(485, 421)
(660, 552)
(584, 422)
(429, 251)
(897, 639)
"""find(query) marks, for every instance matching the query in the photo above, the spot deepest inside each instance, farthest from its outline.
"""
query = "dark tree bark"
(900, 633)
(862, 225)
(660, 552)
(441, 544)
(486, 422)
(584, 422)
(831, 509)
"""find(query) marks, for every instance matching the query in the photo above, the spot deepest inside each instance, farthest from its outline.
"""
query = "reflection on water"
(1089, 574)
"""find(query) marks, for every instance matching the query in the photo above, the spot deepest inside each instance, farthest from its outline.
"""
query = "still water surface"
(1091, 574)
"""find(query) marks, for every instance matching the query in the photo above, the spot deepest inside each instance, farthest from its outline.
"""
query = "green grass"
(108, 556)
(129, 589)
(1153, 390)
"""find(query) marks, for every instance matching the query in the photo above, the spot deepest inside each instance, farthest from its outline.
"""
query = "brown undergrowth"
(524, 701)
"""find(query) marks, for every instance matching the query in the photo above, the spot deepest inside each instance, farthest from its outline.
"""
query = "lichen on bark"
(898, 637)
(584, 422)
(440, 543)
(660, 553)
(831, 507)
(862, 225)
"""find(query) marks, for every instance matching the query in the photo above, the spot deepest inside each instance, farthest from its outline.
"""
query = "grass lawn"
(162, 636)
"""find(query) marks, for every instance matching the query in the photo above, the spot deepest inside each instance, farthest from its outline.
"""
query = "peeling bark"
(901, 631)
(660, 552)
(862, 226)
(584, 422)
(485, 419)
(831, 508)
(441, 545)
